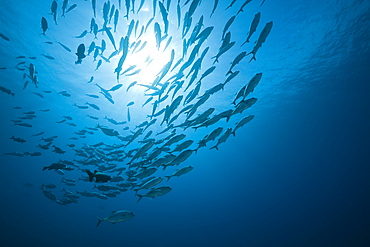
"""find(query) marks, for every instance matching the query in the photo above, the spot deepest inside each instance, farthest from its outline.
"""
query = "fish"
(64, 6)
(93, 106)
(92, 96)
(38, 134)
(57, 166)
(93, 4)
(215, 4)
(253, 27)
(38, 94)
(115, 88)
(73, 6)
(131, 85)
(243, 5)
(242, 122)
(116, 18)
(98, 64)
(231, 4)
(157, 33)
(252, 84)
(65, 47)
(180, 172)
(117, 216)
(110, 36)
(17, 139)
(261, 39)
(44, 25)
(80, 106)
(243, 105)
(6, 90)
(83, 34)
(131, 103)
(3, 36)
(53, 8)
(154, 192)
(237, 59)
(227, 25)
(223, 138)
(80, 53)
(99, 176)
(48, 57)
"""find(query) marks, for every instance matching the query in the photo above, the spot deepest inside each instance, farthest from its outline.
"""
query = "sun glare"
(149, 60)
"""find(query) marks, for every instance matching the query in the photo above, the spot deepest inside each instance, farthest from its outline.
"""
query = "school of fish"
(141, 157)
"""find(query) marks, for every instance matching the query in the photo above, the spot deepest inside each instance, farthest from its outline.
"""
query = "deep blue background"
(297, 175)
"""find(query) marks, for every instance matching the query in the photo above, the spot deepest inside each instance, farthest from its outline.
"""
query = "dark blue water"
(296, 175)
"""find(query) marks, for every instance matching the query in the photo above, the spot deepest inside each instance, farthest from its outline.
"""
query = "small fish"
(81, 107)
(48, 57)
(93, 117)
(116, 87)
(91, 79)
(80, 53)
(17, 139)
(99, 64)
(93, 96)
(44, 25)
(131, 103)
(64, 93)
(131, 85)
(128, 115)
(4, 37)
(93, 106)
(38, 94)
(83, 34)
(65, 47)
(64, 6)
(5, 90)
(71, 8)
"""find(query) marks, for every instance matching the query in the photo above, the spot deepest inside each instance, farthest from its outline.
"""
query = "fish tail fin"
(99, 221)
(168, 178)
(91, 175)
(229, 72)
(140, 197)
(244, 43)
(233, 133)
(44, 168)
(214, 147)
(253, 56)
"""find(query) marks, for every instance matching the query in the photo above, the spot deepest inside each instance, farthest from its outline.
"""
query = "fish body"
(17, 139)
(253, 26)
(44, 25)
(80, 53)
(117, 216)
(160, 191)
(180, 172)
(6, 90)
(99, 176)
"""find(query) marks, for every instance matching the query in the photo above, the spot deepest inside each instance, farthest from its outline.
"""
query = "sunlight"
(149, 60)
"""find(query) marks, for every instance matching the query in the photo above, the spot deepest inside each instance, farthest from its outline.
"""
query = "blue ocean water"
(296, 175)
